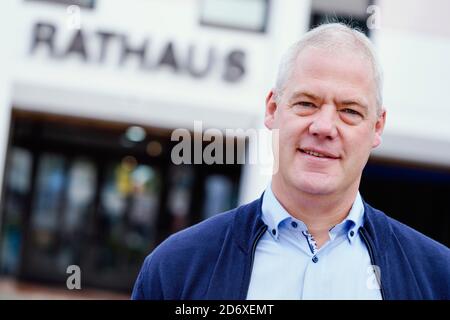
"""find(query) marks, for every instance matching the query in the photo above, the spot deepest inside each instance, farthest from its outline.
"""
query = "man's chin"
(316, 190)
(316, 183)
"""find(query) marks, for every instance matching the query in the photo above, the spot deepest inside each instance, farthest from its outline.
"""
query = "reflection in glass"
(64, 200)
(80, 193)
(78, 206)
(17, 186)
(218, 195)
(49, 197)
(129, 205)
(180, 194)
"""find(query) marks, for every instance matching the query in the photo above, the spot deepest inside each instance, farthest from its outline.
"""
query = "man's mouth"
(319, 154)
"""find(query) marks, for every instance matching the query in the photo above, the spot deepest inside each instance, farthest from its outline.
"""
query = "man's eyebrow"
(307, 94)
(345, 102)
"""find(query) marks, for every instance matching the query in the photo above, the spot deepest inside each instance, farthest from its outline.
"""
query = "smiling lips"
(319, 153)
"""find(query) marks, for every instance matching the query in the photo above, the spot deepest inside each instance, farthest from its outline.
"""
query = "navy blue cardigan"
(213, 259)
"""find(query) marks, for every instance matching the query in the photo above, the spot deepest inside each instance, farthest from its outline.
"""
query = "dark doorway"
(411, 193)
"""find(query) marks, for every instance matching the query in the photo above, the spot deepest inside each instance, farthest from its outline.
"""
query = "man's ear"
(379, 127)
(271, 107)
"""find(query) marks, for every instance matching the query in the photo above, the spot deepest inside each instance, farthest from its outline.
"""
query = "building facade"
(93, 91)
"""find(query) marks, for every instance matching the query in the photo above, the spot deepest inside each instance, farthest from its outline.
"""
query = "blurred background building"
(90, 92)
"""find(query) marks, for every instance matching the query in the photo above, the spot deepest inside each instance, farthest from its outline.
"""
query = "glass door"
(59, 218)
(125, 229)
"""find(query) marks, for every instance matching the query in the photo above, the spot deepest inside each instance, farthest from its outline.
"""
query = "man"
(310, 236)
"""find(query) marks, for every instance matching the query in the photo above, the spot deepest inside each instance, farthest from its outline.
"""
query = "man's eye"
(351, 112)
(306, 104)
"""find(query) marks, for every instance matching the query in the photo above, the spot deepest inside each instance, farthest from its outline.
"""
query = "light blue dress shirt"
(288, 265)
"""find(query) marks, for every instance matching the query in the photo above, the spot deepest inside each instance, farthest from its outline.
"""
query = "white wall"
(414, 48)
(152, 97)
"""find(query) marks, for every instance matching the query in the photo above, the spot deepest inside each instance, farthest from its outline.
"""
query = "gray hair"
(331, 35)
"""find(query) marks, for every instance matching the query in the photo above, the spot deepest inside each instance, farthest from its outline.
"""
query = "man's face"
(327, 120)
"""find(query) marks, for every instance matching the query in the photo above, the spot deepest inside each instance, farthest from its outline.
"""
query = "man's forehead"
(335, 49)
(316, 59)
(350, 73)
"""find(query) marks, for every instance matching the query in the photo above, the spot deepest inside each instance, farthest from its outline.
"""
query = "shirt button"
(352, 233)
(315, 259)
(294, 224)
(274, 232)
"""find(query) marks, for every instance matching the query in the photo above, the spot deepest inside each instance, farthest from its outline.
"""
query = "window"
(81, 3)
(245, 15)
(99, 195)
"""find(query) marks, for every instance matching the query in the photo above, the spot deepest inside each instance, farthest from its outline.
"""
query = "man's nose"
(324, 123)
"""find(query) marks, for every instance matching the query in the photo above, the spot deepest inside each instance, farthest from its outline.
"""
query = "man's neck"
(319, 212)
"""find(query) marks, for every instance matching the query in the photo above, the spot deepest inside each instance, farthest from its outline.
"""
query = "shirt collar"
(274, 215)
(351, 224)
